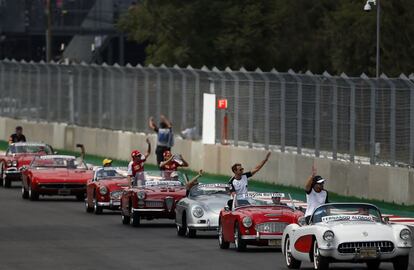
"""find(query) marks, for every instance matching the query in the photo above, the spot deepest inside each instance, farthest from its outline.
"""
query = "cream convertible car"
(347, 232)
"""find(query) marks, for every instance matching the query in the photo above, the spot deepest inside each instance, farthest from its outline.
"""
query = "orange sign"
(222, 104)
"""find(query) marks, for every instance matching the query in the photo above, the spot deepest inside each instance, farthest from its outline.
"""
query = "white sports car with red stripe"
(347, 232)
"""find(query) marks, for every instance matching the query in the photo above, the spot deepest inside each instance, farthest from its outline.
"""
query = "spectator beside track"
(18, 136)
(316, 195)
(165, 136)
(172, 162)
(136, 165)
(239, 182)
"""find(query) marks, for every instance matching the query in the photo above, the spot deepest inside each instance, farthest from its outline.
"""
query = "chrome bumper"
(149, 210)
(261, 237)
(110, 204)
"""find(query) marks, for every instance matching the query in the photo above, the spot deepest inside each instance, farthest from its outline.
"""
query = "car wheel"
(135, 218)
(25, 193)
(238, 241)
(319, 262)
(291, 262)
(87, 207)
(222, 243)
(7, 182)
(1, 174)
(97, 209)
(33, 195)
(125, 219)
(190, 233)
(400, 263)
(373, 265)
(181, 229)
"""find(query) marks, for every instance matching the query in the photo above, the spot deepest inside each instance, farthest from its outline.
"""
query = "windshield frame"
(158, 178)
(45, 157)
(264, 197)
(336, 205)
(15, 146)
(223, 187)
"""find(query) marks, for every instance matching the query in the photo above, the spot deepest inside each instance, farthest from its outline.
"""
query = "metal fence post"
(219, 73)
(372, 118)
(100, 94)
(197, 98)
(71, 101)
(2, 87)
(48, 78)
(158, 89)
(282, 110)
(410, 84)
(170, 90)
(59, 92)
(184, 96)
(334, 115)
(236, 106)
(316, 80)
(299, 112)
(392, 118)
(251, 104)
(123, 96)
(266, 108)
(351, 118)
(146, 94)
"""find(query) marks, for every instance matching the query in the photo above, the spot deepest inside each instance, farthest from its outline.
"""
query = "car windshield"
(158, 178)
(30, 149)
(346, 213)
(263, 199)
(67, 162)
(109, 173)
(209, 189)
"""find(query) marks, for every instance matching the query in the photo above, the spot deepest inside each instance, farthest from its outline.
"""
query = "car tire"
(25, 193)
(88, 209)
(319, 262)
(291, 262)
(401, 263)
(181, 229)
(1, 174)
(97, 209)
(373, 265)
(190, 233)
(135, 218)
(222, 243)
(238, 241)
(7, 182)
(33, 195)
(125, 219)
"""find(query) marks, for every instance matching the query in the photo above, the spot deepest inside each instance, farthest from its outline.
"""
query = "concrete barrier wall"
(359, 180)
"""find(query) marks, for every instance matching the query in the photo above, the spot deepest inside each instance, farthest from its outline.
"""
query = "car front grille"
(62, 186)
(116, 195)
(154, 204)
(354, 247)
(271, 227)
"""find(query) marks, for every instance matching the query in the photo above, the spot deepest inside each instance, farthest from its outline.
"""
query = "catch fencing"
(357, 119)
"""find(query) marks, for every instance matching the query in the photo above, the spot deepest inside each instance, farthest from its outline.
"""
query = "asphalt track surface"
(56, 233)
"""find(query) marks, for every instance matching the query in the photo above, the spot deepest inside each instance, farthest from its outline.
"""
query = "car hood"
(159, 193)
(264, 214)
(58, 175)
(214, 202)
(113, 185)
(361, 231)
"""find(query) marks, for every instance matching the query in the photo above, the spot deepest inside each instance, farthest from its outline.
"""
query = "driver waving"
(136, 165)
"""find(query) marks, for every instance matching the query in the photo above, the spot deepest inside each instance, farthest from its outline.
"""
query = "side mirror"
(386, 220)
(302, 221)
(55, 152)
(226, 208)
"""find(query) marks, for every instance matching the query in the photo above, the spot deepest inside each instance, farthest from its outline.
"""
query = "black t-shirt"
(14, 138)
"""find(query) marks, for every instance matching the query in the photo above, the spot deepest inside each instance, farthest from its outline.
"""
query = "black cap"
(317, 179)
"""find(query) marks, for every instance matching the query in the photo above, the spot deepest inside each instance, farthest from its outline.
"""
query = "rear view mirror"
(226, 208)
(386, 220)
(302, 221)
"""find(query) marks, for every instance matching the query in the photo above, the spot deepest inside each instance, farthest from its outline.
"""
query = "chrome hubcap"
(316, 255)
(287, 252)
(236, 238)
(220, 235)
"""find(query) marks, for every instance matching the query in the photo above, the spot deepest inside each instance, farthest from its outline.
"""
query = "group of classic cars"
(336, 232)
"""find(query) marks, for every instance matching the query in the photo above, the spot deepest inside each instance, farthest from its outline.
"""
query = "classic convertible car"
(347, 232)
(19, 155)
(201, 208)
(154, 194)
(55, 175)
(104, 190)
(258, 219)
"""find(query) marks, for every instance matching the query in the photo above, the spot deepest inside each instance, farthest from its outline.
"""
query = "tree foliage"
(318, 35)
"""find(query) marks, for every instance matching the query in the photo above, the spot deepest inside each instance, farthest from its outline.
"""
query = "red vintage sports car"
(104, 190)
(258, 219)
(55, 175)
(154, 194)
(19, 155)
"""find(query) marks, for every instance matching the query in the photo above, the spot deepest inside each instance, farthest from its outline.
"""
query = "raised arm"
(185, 163)
(194, 180)
(308, 185)
(261, 164)
(166, 121)
(151, 124)
(163, 163)
(148, 149)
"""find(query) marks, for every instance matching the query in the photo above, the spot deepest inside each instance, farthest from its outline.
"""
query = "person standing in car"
(165, 136)
(316, 195)
(18, 136)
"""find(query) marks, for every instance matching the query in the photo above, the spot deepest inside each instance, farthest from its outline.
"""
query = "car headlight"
(141, 195)
(198, 212)
(247, 222)
(103, 190)
(328, 236)
(9, 163)
(405, 234)
(14, 163)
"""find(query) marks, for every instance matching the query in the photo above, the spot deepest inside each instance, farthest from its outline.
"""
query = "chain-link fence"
(343, 118)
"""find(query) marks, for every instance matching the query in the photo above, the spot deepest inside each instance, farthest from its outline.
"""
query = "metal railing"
(356, 119)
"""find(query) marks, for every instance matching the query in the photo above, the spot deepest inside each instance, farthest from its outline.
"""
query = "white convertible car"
(347, 232)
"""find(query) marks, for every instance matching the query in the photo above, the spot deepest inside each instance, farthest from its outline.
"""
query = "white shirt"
(315, 199)
(240, 186)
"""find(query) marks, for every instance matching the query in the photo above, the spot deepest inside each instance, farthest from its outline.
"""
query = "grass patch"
(296, 193)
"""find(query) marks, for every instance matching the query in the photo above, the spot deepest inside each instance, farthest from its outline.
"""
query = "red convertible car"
(104, 190)
(259, 219)
(154, 194)
(19, 155)
(55, 175)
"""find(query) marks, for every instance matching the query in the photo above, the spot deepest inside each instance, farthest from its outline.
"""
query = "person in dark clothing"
(18, 136)
(165, 137)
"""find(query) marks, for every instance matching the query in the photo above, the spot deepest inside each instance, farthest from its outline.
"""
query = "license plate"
(368, 253)
(276, 242)
(64, 191)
